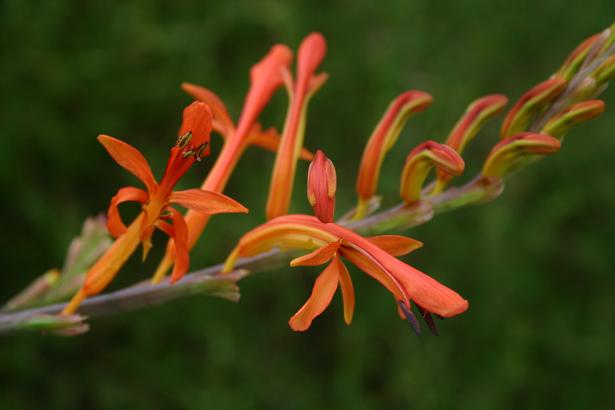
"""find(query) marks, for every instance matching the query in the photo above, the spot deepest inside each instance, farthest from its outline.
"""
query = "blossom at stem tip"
(156, 211)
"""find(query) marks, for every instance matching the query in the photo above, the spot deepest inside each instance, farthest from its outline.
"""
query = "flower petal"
(396, 245)
(265, 78)
(222, 121)
(207, 202)
(347, 292)
(317, 257)
(180, 241)
(322, 294)
(197, 121)
(114, 221)
(129, 158)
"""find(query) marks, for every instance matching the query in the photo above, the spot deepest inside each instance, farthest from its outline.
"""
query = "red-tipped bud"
(473, 120)
(419, 162)
(560, 124)
(512, 153)
(382, 140)
(530, 103)
(575, 60)
(321, 186)
(475, 116)
(606, 71)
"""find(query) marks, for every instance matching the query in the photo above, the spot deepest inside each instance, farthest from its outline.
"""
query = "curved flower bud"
(575, 60)
(513, 152)
(475, 116)
(420, 161)
(321, 187)
(605, 72)
(529, 104)
(311, 53)
(382, 140)
(559, 125)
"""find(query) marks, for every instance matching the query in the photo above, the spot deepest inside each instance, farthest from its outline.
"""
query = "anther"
(183, 140)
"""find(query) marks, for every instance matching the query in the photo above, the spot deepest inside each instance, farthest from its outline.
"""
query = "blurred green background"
(536, 265)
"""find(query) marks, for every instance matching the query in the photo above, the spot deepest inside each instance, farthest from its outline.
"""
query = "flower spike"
(420, 161)
(530, 103)
(321, 187)
(382, 140)
(311, 53)
(513, 152)
(559, 125)
(475, 116)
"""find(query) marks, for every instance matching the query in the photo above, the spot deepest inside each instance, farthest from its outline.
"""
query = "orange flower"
(265, 79)
(311, 53)
(375, 256)
(330, 242)
(192, 145)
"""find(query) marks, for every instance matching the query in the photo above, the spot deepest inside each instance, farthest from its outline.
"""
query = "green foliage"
(536, 265)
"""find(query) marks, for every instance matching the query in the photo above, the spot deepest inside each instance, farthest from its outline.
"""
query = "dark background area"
(536, 265)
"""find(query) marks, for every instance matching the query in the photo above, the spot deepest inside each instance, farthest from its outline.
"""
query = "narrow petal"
(318, 257)
(222, 121)
(321, 187)
(382, 140)
(322, 294)
(396, 245)
(114, 221)
(129, 158)
(180, 241)
(347, 292)
(206, 202)
(197, 121)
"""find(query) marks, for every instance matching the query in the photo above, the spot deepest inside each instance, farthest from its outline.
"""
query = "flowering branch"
(534, 127)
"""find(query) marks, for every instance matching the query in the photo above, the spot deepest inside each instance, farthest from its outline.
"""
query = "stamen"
(183, 140)
(429, 321)
(201, 150)
(188, 153)
(410, 317)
